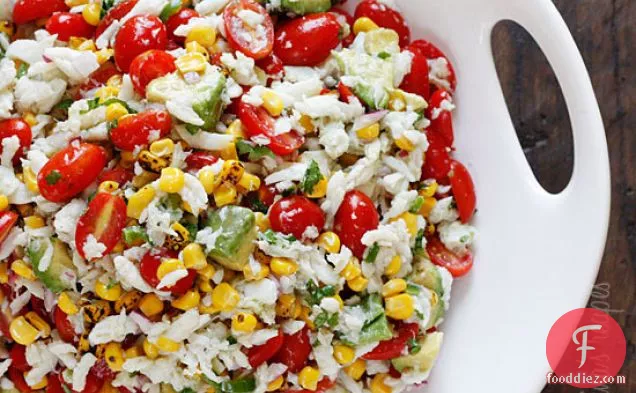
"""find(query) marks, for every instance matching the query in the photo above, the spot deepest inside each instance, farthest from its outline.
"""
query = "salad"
(224, 196)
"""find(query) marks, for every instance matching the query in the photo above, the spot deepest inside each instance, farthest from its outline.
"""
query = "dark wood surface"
(605, 33)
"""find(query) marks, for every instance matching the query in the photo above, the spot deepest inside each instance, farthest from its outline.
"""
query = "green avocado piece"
(58, 276)
(234, 229)
(209, 105)
(438, 311)
(427, 275)
(376, 326)
(425, 358)
(302, 7)
(373, 76)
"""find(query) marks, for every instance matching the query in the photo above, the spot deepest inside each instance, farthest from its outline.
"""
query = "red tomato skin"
(356, 216)
(180, 18)
(200, 159)
(457, 265)
(346, 95)
(392, 348)
(26, 11)
(139, 34)
(259, 354)
(272, 65)
(235, 29)
(22, 130)
(294, 214)
(437, 159)
(150, 263)
(266, 194)
(442, 124)
(104, 206)
(463, 190)
(63, 325)
(78, 165)
(7, 222)
(384, 16)
(67, 25)
(18, 358)
(54, 385)
(115, 13)
(98, 78)
(295, 350)
(433, 52)
(134, 130)
(416, 81)
(307, 41)
(258, 122)
(118, 174)
(348, 40)
(17, 378)
(148, 66)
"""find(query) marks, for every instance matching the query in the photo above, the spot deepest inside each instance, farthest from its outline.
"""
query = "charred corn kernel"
(139, 201)
(129, 301)
(4, 202)
(250, 275)
(276, 384)
(187, 301)
(127, 159)
(394, 266)
(272, 103)
(191, 62)
(410, 220)
(224, 297)
(232, 171)
(82, 344)
(204, 286)
(229, 153)
(195, 47)
(172, 180)
(393, 287)
(4, 276)
(204, 35)
(23, 270)
(150, 349)
(183, 235)
(329, 241)
(236, 129)
(105, 93)
(73, 3)
(169, 266)
(319, 190)
(427, 206)
(429, 189)
(369, 133)
(114, 356)
(358, 284)
(29, 117)
(404, 143)
(352, 270)
(364, 24)
(30, 180)
(209, 180)
(356, 369)
(288, 306)
(377, 384)
(22, 331)
(225, 194)
(308, 378)
(244, 322)
(67, 304)
(40, 385)
(99, 350)
(207, 272)
(37, 322)
(103, 55)
(133, 352)
(166, 344)
(262, 221)
(308, 124)
(6, 27)
(162, 147)
(283, 266)
(249, 182)
(107, 292)
(194, 257)
(96, 311)
(34, 222)
(91, 13)
(343, 354)
(150, 305)
(144, 178)
(114, 111)
(399, 307)
(108, 186)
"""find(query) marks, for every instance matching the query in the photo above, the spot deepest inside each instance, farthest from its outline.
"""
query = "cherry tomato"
(150, 264)
(416, 81)
(259, 354)
(134, 130)
(26, 11)
(17, 378)
(307, 41)
(19, 128)
(294, 214)
(258, 122)
(53, 384)
(94, 382)
(345, 92)
(463, 190)
(67, 25)
(118, 174)
(115, 13)
(18, 358)
(98, 78)
(180, 18)
(200, 159)
(295, 350)
(37, 306)
(104, 219)
(432, 52)
(149, 66)
(7, 221)
(457, 265)
(272, 65)
(70, 171)
(102, 371)
(139, 34)
(437, 160)
(356, 216)
(266, 194)
(384, 16)
(63, 325)
(344, 16)
(392, 348)
(441, 118)
(254, 42)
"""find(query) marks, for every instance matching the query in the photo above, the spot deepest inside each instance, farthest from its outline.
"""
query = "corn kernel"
(397, 102)
(6, 27)
(187, 301)
(194, 257)
(308, 124)
(106, 93)
(377, 384)
(34, 222)
(363, 25)
(114, 356)
(4, 202)
(204, 285)
(305, 316)
(283, 266)
(224, 297)
(405, 144)
(108, 186)
(272, 103)
(288, 306)
(129, 301)
(30, 119)
(22, 331)
(107, 292)
(168, 266)
(427, 206)
(356, 369)
(399, 307)
(429, 189)
(96, 311)
(308, 378)
(115, 111)
(358, 284)
(91, 13)
(343, 354)
(236, 129)
(23, 270)
(369, 133)
(430, 229)
(37, 322)
(150, 305)
(394, 266)
(162, 147)
(81, 44)
(249, 182)
(207, 272)
(4, 276)
(229, 153)
(330, 242)
(139, 201)
(225, 194)
(244, 322)
(195, 47)
(276, 384)
(67, 304)
(115, 81)
(40, 385)
(191, 62)
(393, 287)
(232, 171)
(262, 221)
(209, 180)
(133, 352)
(183, 235)
(167, 345)
(30, 180)
(319, 190)
(410, 220)
(172, 180)
(204, 35)
(352, 270)
(250, 275)
(339, 300)
(73, 3)
(150, 349)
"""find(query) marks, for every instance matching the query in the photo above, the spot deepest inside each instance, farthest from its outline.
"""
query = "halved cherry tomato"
(295, 350)
(180, 18)
(346, 95)
(384, 16)
(67, 25)
(7, 221)
(103, 371)
(258, 122)
(259, 354)
(432, 52)
(17, 378)
(463, 190)
(294, 214)
(345, 17)
(63, 325)
(356, 216)
(266, 194)
(441, 118)
(26, 11)
(19, 128)
(104, 220)
(416, 81)
(307, 41)
(272, 65)
(53, 384)
(70, 171)
(254, 41)
(457, 265)
(437, 159)
(115, 13)
(93, 384)
(118, 174)
(97, 78)
(148, 66)
(392, 348)
(18, 358)
(199, 159)
(134, 130)
(150, 264)
(139, 34)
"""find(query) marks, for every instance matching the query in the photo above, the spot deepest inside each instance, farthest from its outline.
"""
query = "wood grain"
(605, 33)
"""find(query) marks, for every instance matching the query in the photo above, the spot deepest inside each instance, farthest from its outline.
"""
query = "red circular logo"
(585, 348)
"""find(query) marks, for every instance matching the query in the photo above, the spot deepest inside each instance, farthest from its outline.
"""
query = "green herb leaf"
(412, 289)
(414, 346)
(372, 254)
(106, 5)
(232, 340)
(419, 242)
(53, 177)
(384, 55)
(416, 205)
(134, 235)
(269, 236)
(170, 9)
(187, 390)
(333, 320)
(64, 104)
(112, 124)
(257, 205)
(192, 229)
(192, 129)
(241, 385)
(312, 177)
(118, 101)
(464, 239)
(254, 152)
(321, 319)
(22, 70)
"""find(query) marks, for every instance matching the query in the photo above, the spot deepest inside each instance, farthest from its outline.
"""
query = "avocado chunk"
(302, 7)
(376, 326)
(438, 310)
(233, 231)
(61, 273)
(428, 275)
(425, 358)
(372, 77)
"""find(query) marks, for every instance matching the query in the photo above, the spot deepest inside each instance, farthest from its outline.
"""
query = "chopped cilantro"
(192, 229)
(134, 235)
(170, 9)
(231, 340)
(333, 320)
(254, 152)
(419, 314)
(106, 5)
(289, 192)
(414, 346)
(270, 236)
(257, 205)
(112, 124)
(22, 70)
(419, 242)
(53, 177)
(1, 53)
(64, 104)
(192, 129)
(464, 239)
(384, 55)
(412, 289)
(315, 294)
(372, 254)
(321, 319)
(311, 178)
(416, 205)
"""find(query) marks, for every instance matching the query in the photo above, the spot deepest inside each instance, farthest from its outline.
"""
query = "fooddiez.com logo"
(586, 348)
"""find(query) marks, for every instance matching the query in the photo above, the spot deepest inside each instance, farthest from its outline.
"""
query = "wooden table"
(604, 31)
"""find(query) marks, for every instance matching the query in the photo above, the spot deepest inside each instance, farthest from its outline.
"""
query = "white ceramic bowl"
(538, 254)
